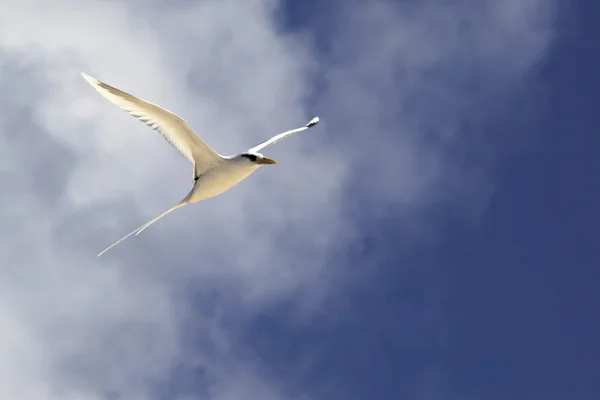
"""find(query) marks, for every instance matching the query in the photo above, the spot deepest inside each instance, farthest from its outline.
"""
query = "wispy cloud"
(400, 84)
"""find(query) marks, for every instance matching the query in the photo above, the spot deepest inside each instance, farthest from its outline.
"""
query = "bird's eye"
(251, 157)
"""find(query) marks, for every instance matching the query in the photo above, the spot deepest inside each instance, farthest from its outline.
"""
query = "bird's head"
(258, 158)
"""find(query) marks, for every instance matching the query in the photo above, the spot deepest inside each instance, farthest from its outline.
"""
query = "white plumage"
(213, 173)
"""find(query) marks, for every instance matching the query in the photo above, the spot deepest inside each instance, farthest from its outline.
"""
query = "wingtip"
(313, 122)
(91, 80)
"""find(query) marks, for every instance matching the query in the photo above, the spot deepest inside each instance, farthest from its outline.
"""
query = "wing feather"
(283, 135)
(174, 129)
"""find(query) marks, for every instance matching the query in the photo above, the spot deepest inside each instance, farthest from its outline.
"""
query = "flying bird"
(213, 173)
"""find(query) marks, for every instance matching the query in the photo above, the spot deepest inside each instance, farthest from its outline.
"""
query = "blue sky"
(432, 238)
(506, 304)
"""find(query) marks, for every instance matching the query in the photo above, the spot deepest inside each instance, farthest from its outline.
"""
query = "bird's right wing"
(174, 129)
(285, 134)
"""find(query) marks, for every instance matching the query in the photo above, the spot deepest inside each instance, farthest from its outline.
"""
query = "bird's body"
(221, 178)
(214, 174)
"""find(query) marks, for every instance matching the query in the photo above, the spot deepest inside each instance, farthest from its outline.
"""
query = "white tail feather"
(147, 224)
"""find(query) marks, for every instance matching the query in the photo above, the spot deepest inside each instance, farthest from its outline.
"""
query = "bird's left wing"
(174, 129)
(277, 138)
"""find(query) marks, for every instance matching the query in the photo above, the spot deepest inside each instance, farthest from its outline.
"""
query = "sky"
(433, 238)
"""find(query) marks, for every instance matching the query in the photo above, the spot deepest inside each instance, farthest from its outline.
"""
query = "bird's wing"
(277, 138)
(174, 129)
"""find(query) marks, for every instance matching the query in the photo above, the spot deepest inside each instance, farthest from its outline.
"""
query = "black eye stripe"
(251, 157)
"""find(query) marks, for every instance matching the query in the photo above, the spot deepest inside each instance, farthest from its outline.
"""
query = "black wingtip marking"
(312, 123)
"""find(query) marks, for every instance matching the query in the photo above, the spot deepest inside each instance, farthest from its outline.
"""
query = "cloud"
(400, 83)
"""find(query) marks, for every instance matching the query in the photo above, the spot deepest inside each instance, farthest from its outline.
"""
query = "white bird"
(213, 173)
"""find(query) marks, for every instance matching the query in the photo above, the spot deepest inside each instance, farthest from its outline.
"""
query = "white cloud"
(78, 173)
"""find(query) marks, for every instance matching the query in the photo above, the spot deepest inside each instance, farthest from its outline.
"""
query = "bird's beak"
(266, 160)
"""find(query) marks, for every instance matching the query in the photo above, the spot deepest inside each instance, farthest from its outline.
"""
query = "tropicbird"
(213, 173)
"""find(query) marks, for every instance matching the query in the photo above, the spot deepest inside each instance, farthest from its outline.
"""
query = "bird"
(213, 174)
